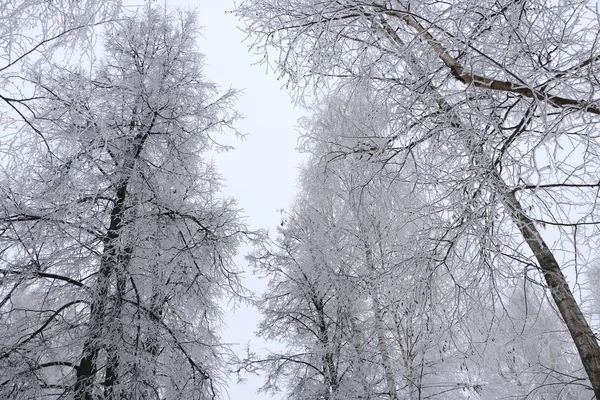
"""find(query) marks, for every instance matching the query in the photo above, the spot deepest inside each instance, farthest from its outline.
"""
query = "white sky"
(261, 172)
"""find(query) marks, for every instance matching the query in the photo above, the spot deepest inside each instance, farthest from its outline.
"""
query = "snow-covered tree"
(493, 103)
(115, 245)
(348, 266)
(370, 302)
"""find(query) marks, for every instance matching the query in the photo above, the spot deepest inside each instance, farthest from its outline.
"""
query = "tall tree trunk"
(331, 376)
(87, 366)
(379, 330)
(583, 336)
(86, 371)
(383, 348)
(408, 357)
(151, 343)
(357, 343)
(112, 255)
(116, 329)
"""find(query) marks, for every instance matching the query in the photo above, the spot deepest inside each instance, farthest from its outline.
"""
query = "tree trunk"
(357, 343)
(112, 257)
(87, 366)
(116, 329)
(383, 348)
(583, 336)
(86, 371)
(329, 366)
(408, 358)
(381, 344)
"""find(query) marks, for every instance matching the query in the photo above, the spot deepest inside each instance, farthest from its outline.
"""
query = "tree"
(348, 266)
(115, 244)
(493, 102)
(365, 306)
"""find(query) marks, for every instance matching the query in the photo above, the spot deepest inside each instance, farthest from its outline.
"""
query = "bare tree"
(115, 244)
(494, 103)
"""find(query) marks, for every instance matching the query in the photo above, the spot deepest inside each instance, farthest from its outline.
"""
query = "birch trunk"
(581, 332)
(331, 378)
(381, 341)
(383, 349)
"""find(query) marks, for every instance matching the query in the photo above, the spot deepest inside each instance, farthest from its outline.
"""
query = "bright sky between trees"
(260, 173)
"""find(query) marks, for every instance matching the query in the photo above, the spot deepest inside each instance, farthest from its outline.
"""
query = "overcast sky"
(261, 172)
